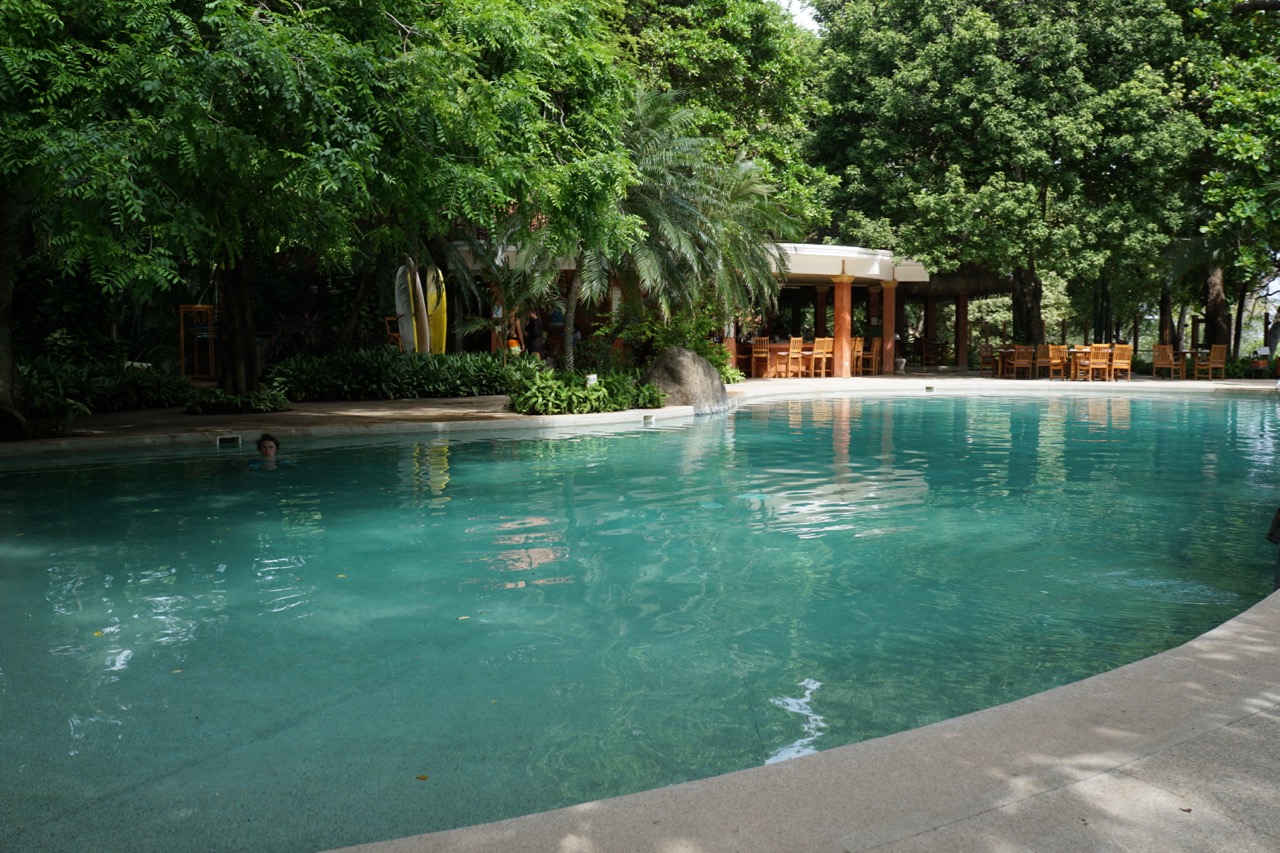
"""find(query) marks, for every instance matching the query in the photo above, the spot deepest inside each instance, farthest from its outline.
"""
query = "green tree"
(689, 230)
(754, 80)
(1004, 139)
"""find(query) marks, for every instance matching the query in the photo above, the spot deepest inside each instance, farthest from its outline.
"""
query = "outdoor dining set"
(798, 357)
(1098, 362)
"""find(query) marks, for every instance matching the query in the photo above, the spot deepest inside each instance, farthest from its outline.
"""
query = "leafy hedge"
(387, 374)
(55, 392)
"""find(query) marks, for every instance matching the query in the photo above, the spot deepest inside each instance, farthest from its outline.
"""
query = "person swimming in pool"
(268, 447)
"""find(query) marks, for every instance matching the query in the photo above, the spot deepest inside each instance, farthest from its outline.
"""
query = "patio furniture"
(793, 365)
(821, 355)
(987, 362)
(1100, 362)
(1215, 360)
(759, 357)
(1260, 363)
(855, 356)
(1004, 362)
(1042, 359)
(1024, 358)
(870, 362)
(1122, 361)
(1057, 362)
(1163, 358)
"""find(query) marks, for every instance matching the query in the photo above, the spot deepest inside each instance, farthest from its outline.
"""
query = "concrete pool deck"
(1177, 752)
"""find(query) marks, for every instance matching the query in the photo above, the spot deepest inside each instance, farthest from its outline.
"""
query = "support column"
(889, 299)
(962, 330)
(842, 287)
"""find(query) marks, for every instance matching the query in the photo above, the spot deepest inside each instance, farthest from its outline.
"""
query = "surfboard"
(421, 331)
(404, 310)
(437, 316)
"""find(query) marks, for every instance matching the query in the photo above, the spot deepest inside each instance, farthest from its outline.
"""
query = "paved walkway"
(1178, 752)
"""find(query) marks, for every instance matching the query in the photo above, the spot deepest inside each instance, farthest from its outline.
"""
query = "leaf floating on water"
(97, 633)
(422, 778)
(460, 618)
(176, 671)
(342, 576)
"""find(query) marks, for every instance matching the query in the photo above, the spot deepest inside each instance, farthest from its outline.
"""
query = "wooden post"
(888, 329)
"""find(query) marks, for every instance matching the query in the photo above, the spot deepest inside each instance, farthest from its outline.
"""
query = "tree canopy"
(1007, 138)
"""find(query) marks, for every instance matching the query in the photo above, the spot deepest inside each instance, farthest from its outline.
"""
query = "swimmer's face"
(267, 448)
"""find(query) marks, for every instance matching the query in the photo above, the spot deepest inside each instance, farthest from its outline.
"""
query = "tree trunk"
(14, 224)
(1272, 334)
(1238, 331)
(1028, 327)
(1217, 323)
(571, 315)
(1166, 315)
(237, 347)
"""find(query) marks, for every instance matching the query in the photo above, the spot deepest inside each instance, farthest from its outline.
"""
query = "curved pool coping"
(1176, 752)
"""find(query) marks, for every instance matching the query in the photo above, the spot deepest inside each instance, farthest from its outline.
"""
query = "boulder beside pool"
(688, 379)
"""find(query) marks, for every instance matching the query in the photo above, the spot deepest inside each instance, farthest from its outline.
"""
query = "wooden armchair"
(1042, 360)
(1100, 362)
(1058, 361)
(1163, 358)
(1122, 361)
(1024, 358)
(1215, 360)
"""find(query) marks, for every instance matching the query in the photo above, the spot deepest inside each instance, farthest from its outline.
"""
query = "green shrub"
(215, 401)
(554, 392)
(51, 406)
(385, 373)
(55, 391)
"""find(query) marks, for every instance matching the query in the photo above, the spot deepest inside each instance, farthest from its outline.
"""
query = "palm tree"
(702, 230)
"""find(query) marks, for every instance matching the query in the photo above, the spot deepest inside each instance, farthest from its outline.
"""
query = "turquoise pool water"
(384, 638)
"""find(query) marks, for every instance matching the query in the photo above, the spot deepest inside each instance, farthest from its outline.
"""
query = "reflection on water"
(536, 623)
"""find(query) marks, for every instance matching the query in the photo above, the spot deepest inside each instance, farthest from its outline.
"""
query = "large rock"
(688, 379)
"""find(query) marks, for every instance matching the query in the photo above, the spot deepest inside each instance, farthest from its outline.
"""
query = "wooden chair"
(821, 356)
(1163, 358)
(793, 365)
(987, 360)
(1122, 361)
(392, 324)
(1058, 361)
(1042, 359)
(1216, 360)
(1024, 358)
(871, 358)
(855, 356)
(1100, 362)
(759, 357)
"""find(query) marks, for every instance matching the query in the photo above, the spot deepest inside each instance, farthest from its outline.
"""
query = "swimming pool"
(269, 659)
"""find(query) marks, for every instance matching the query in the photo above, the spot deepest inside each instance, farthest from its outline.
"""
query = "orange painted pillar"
(842, 305)
(888, 328)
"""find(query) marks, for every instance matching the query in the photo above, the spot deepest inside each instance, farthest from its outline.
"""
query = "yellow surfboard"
(437, 316)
